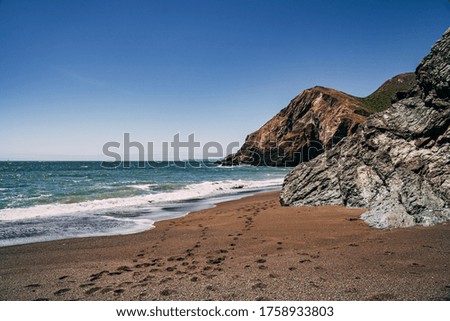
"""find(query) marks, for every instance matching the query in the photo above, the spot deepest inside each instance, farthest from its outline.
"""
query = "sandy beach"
(248, 249)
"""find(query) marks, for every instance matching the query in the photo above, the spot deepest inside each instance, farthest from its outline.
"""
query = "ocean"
(42, 201)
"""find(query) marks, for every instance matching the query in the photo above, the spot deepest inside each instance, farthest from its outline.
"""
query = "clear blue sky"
(77, 74)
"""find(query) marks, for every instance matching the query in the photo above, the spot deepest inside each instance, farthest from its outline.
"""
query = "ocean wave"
(221, 166)
(202, 190)
(144, 187)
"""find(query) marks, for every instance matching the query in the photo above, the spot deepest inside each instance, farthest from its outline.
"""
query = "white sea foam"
(53, 231)
(193, 191)
(39, 197)
(144, 187)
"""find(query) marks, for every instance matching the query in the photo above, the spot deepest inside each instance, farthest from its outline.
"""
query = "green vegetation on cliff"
(381, 99)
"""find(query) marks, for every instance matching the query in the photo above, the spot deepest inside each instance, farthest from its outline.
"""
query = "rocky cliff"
(313, 122)
(397, 164)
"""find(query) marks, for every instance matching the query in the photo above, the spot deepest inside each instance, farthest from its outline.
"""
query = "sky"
(75, 75)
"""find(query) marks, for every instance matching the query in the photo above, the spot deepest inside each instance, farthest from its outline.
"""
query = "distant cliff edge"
(314, 122)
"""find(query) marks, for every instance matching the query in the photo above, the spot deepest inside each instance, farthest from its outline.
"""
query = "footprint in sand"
(86, 285)
(217, 260)
(113, 273)
(147, 278)
(140, 285)
(259, 286)
(167, 292)
(61, 291)
(33, 286)
(313, 284)
(144, 265)
(96, 276)
(92, 290)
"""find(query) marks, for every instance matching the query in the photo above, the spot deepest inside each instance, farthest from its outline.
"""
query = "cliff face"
(313, 122)
(398, 162)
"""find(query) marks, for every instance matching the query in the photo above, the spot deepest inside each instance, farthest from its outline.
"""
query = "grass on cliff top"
(381, 99)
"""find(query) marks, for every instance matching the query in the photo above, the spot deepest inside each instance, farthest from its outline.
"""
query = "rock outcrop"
(313, 122)
(397, 164)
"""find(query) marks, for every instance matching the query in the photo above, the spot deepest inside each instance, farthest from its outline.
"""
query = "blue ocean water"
(41, 201)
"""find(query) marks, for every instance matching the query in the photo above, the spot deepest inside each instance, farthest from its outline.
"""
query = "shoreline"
(245, 249)
(168, 211)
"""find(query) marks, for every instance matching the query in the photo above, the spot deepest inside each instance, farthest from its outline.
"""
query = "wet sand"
(249, 249)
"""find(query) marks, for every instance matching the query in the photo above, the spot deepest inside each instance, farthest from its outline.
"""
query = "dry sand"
(249, 249)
